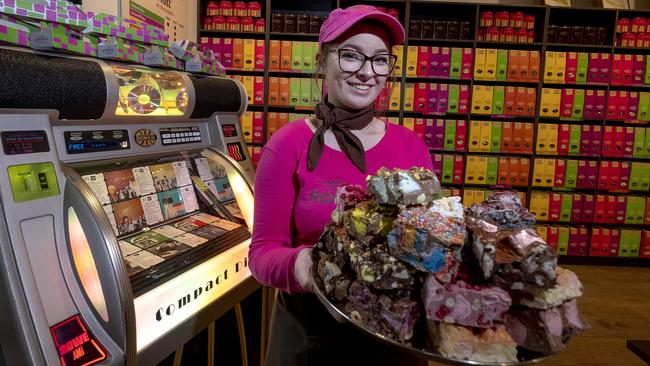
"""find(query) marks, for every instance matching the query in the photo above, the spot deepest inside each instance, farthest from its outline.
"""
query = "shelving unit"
(544, 17)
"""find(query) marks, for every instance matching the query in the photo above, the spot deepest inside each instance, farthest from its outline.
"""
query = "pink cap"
(340, 20)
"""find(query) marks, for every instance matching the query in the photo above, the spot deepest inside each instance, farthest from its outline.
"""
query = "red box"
(552, 236)
(608, 141)
(619, 141)
(610, 212)
(258, 90)
(555, 206)
(423, 61)
(259, 54)
(627, 69)
(576, 208)
(443, 98)
(571, 67)
(623, 100)
(612, 104)
(621, 206)
(418, 127)
(463, 103)
(585, 140)
(606, 242)
(632, 105)
(624, 174)
(628, 144)
(560, 172)
(461, 135)
(645, 244)
(592, 174)
(437, 164)
(583, 241)
(434, 61)
(603, 175)
(617, 70)
(421, 96)
(596, 239)
(563, 137)
(646, 221)
(581, 182)
(614, 175)
(567, 103)
(258, 128)
(467, 63)
(604, 65)
(600, 208)
(596, 140)
(639, 70)
(614, 242)
(459, 169)
(588, 206)
(573, 241)
(601, 104)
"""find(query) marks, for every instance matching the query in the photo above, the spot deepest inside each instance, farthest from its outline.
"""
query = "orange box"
(527, 140)
(285, 55)
(510, 100)
(513, 65)
(517, 136)
(238, 53)
(513, 171)
(524, 60)
(524, 171)
(506, 137)
(274, 55)
(285, 91)
(274, 90)
(533, 66)
(272, 124)
(503, 176)
(520, 101)
(531, 96)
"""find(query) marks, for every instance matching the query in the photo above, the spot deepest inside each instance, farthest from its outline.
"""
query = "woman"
(296, 181)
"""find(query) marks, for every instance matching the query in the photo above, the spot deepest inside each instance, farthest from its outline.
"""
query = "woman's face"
(355, 90)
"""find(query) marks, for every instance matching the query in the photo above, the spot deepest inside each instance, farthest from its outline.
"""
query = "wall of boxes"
(553, 103)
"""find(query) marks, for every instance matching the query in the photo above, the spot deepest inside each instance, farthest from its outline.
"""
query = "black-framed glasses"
(352, 61)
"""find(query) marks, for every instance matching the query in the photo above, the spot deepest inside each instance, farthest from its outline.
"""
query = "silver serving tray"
(524, 358)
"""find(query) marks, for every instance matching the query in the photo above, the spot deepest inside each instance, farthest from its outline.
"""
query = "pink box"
(610, 212)
(594, 63)
(463, 103)
(639, 70)
(612, 104)
(258, 90)
(588, 205)
(624, 181)
(576, 208)
(628, 144)
(600, 209)
(555, 206)
(614, 242)
(467, 63)
(437, 164)
(623, 101)
(614, 176)
(423, 61)
(567, 103)
(604, 65)
(420, 96)
(603, 175)
(621, 206)
(432, 97)
(443, 98)
(573, 241)
(617, 70)
(619, 141)
(560, 173)
(258, 128)
(601, 104)
(459, 169)
(581, 182)
(596, 140)
(571, 68)
(461, 135)
(585, 140)
(215, 45)
(588, 111)
(563, 137)
(592, 174)
(627, 69)
(434, 61)
(583, 241)
(632, 105)
(445, 62)
(429, 132)
(438, 134)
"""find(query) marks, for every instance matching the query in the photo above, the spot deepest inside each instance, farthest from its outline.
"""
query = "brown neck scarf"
(341, 122)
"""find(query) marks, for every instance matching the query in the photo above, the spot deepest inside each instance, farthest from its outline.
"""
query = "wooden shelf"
(234, 34)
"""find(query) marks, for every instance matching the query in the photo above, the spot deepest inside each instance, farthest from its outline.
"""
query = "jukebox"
(125, 208)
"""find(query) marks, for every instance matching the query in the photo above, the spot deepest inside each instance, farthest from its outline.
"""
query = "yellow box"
(549, 172)
(545, 103)
(549, 67)
(491, 64)
(468, 197)
(560, 66)
(399, 52)
(409, 123)
(486, 99)
(412, 61)
(479, 64)
(556, 102)
(542, 138)
(475, 136)
(395, 97)
(486, 136)
(551, 139)
(477, 94)
(542, 231)
(249, 85)
(482, 169)
(472, 170)
(539, 205)
(539, 169)
(409, 96)
(247, 126)
(249, 54)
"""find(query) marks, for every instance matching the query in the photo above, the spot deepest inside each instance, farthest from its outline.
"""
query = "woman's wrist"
(302, 269)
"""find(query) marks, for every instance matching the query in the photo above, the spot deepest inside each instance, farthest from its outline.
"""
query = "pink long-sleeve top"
(293, 205)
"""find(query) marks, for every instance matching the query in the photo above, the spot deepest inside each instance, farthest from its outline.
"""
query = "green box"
(456, 63)
(624, 244)
(566, 207)
(453, 98)
(574, 140)
(296, 55)
(583, 68)
(495, 136)
(498, 98)
(317, 93)
(578, 103)
(33, 181)
(308, 60)
(646, 149)
(571, 174)
(563, 241)
(630, 243)
(447, 169)
(305, 92)
(492, 170)
(294, 92)
(643, 113)
(635, 176)
(631, 208)
(450, 135)
(639, 142)
(502, 64)
(645, 177)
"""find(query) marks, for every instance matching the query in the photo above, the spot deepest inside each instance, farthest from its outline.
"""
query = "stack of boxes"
(633, 32)
(238, 16)
(237, 53)
(505, 26)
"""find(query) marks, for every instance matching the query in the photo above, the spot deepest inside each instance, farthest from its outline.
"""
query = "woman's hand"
(303, 273)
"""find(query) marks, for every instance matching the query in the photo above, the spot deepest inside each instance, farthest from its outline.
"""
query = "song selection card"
(152, 211)
(111, 217)
(164, 177)
(203, 169)
(127, 248)
(182, 174)
(129, 216)
(191, 239)
(202, 216)
(98, 186)
(189, 198)
(171, 203)
(209, 232)
(169, 248)
(188, 224)
(146, 239)
(225, 224)
(131, 268)
(169, 231)
(144, 180)
(121, 185)
(143, 259)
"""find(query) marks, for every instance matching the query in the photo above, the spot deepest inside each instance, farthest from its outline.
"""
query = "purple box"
(588, 206)
(585, 140)
(638, 70)
(443, 98)
(589, 109)
(592, 174)
(432, 97)
(438, 134)
(429, 132)
(576, 208)
(434, 61)
(574, 239)
(604, 67)
(445, 62)
(596, 140)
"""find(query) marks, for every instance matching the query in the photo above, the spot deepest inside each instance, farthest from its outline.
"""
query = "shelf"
(502, 117)
(507, 83)
(567, 157)
(451, 185)
(244, 71)
(623, 226)
(560, 120)
(508, 45)
(233, 34)
(276, 72)
(595, 86)
(632, 50)
(638, 87)
(605, 261)
(500, 153)
(438, 78)
(572, 47)
(286, 108)
(621, 158)
(495, 186)
(284, 35)
(563, 190)
(450, 42)
(435, 115)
